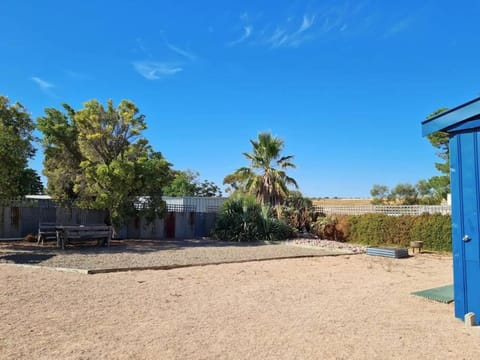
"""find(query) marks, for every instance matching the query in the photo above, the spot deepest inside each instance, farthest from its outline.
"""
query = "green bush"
(434, 230)
(243, 219)
(379, 229)
(276, 229)
(370, 229)
(298, 212)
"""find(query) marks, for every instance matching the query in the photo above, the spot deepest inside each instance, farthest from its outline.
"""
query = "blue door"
(465, 184)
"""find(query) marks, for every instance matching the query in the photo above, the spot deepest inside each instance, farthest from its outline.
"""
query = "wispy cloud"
(302, 23)
(173, 60)
(247, 32)
(151, 70)
(187, 54)
(306, 23)
(44, 85)
(291, 38)
(399, 26)
(290, 33)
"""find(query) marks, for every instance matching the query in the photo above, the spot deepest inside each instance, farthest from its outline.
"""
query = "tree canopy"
(440, 140)
(187, 183)
(97, 157)
(62, 160)
(379, 193)
(266, 177)
(16, 148)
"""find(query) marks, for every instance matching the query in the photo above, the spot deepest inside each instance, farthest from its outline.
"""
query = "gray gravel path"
(127, 254)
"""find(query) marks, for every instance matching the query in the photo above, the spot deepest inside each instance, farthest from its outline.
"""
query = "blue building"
(463, 126)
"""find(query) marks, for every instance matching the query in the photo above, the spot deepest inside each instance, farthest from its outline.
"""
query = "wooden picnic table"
(69, 233)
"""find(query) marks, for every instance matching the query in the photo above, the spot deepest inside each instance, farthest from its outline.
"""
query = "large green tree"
(183, 184)
(424, 192)
(266, 177)
(208, 188)
(62, 159)
(187, 183)
(380, 194)
(405, 194)
(16, 148)
(97, 156)
(440, 140)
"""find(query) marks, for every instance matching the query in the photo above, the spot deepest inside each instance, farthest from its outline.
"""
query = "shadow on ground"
(117, 246)
(25, 258)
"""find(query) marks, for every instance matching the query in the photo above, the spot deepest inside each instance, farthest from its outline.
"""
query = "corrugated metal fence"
(185, 218)
(19, 221)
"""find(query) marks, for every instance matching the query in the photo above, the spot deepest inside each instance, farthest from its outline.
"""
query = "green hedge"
(434, 230)
(377, 229)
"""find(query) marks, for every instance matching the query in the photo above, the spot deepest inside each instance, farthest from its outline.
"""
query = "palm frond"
(265, 177)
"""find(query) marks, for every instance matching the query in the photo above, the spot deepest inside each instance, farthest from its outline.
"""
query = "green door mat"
(443, 294)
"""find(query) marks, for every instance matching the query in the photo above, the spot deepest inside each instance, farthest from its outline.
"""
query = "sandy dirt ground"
(344, 307)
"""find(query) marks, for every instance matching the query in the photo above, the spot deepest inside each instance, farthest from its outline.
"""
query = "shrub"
(342, 228)
(243, 219)
(379, 229)
(298, 212)
(332, 227)
(277, 229)
(434, 230)
(325, 227)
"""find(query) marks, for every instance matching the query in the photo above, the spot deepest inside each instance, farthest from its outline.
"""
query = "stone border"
(29, 266)
(315, 247)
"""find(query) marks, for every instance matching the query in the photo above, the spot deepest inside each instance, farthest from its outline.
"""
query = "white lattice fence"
(393, 210)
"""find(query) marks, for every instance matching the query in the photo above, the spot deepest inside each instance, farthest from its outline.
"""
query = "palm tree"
(265, 177)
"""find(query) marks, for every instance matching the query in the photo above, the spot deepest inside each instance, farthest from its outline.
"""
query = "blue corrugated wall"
(465, 184)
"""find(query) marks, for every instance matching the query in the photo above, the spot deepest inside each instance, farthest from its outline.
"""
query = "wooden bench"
(46, 231)
(69, 233)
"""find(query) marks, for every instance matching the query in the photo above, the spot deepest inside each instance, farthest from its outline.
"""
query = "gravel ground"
(330, 307)
(149, 253)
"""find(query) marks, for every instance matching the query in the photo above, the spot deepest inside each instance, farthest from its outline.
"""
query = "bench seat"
(87, 232)
(46, 231)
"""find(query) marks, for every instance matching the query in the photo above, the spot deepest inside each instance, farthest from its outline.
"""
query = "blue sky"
(346, 84)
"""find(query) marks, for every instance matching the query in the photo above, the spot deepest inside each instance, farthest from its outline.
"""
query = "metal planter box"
(396, 253)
